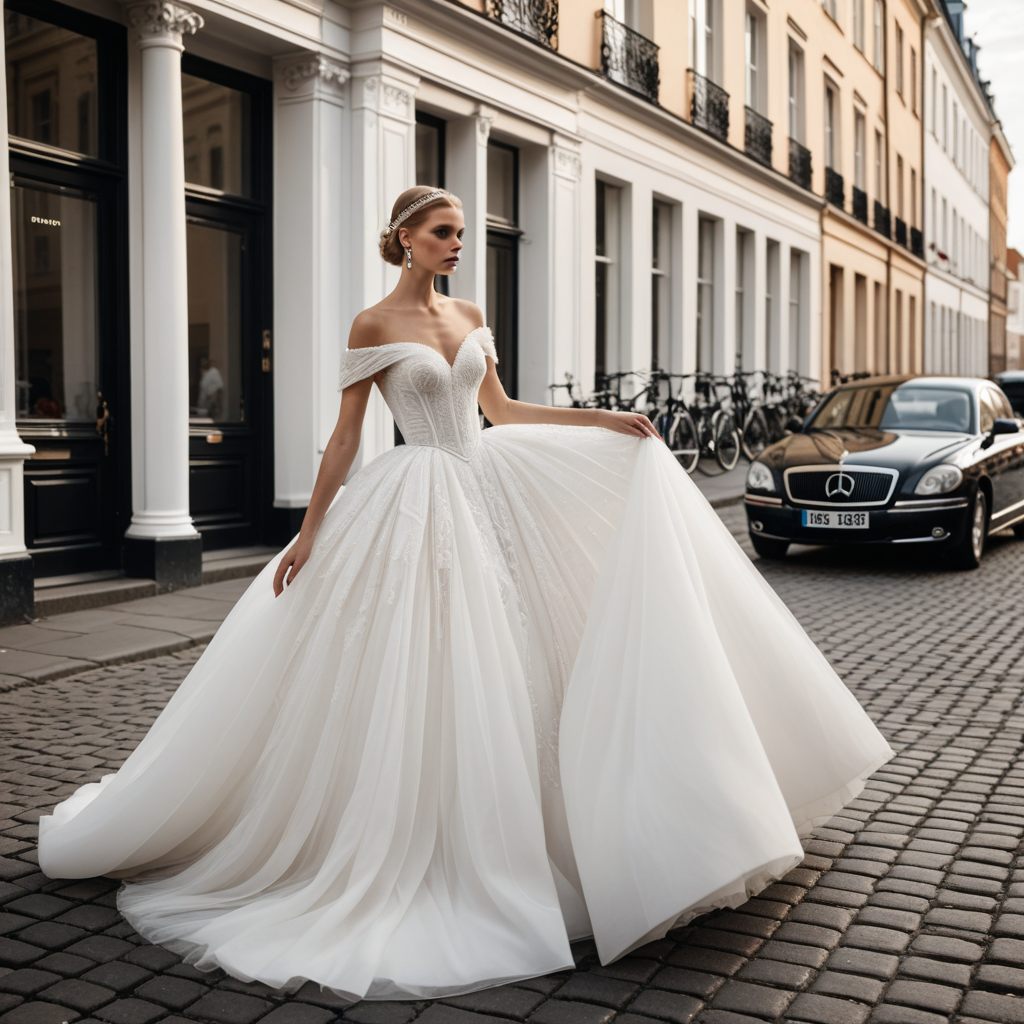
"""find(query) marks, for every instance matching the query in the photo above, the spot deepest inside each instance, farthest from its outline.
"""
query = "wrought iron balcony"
(835, 192)
(917, 242)
(901, 232)
(629, 58)
(709, 108)
(860, 204)
(758, 137)
(535, 19)
(799, 163)
(882, 219)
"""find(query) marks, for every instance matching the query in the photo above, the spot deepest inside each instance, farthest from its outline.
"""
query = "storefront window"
(217, 142)
(51, 84)
(54, 241)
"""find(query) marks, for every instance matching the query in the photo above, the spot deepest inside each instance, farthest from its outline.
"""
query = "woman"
(510, 689)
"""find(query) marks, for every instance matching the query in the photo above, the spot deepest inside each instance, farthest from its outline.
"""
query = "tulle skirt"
(509, 701)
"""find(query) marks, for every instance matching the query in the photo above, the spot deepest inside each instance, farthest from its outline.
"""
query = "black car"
(894, 460)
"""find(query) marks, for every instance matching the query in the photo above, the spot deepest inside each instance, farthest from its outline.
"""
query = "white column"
(636, 283)
(164, 510)
(383, 165)
(690, 227)
(310, 229)
(466, 175)
(16, 599)
(549, 268)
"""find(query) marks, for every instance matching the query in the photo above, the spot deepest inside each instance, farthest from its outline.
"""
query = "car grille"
(813, 487)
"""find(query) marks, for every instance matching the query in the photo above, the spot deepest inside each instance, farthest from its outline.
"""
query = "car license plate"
(836, 520)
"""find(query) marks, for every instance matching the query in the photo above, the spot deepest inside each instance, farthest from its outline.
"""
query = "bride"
(512, 688)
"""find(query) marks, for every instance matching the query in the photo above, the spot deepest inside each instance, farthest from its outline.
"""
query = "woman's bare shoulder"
(368, 329)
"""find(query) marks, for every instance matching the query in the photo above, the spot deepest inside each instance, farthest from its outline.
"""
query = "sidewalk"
(62, 645)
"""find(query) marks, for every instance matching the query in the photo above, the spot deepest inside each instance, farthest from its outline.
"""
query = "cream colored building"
(857, 105)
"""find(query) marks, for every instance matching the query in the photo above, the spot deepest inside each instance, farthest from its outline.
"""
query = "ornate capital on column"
(163, 23)
(484, 119)
(387, 96)
(305, 75)
(566, 159)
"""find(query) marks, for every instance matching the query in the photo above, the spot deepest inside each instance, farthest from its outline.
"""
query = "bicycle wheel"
(682, 441)
(755, 433)
(727, 441)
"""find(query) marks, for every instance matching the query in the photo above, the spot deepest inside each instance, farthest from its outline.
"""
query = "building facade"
(1014, 310)
(1000, 356)
(197, 196)
(198, 191)
(958, 140)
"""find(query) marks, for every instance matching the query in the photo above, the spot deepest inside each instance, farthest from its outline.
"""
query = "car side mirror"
(1000, 426)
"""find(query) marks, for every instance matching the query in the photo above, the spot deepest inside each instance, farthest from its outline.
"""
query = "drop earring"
(408, 259)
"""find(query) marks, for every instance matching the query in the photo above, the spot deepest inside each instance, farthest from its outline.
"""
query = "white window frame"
(797, 122)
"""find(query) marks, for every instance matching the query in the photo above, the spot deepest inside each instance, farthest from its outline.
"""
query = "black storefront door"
(503, 304)
(66, 95)
(225, 386)
(229, 343)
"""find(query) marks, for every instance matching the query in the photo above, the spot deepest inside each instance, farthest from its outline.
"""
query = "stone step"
(60, 595)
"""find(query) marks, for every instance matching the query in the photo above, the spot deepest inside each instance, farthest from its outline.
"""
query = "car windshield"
(893, 407)
(928, 408)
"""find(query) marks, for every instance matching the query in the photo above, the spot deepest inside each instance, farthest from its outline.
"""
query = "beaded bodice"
(434, 403)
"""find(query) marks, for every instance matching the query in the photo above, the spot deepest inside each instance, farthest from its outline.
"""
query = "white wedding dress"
(527, 688)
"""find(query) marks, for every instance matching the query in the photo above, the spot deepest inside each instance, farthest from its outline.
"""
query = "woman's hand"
(294, 559)
(633, 423)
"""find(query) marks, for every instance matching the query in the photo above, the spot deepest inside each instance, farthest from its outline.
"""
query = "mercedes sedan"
(937, 461)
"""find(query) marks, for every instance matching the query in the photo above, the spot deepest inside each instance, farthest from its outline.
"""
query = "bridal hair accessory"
(413, 207)
(408, 259)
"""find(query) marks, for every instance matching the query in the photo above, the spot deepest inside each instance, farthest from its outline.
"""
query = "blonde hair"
(390, 247)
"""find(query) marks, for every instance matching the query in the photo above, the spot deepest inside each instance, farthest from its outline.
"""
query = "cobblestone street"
(909, 907)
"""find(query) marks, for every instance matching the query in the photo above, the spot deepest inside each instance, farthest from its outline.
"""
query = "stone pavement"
(909, 907)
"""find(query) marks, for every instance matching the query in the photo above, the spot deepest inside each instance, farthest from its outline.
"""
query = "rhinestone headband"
(413, 207)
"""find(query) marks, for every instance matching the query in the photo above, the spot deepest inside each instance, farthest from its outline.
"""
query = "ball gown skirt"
(526, 689)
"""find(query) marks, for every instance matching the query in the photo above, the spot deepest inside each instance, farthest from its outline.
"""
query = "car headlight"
(939, 480)
(760, 477)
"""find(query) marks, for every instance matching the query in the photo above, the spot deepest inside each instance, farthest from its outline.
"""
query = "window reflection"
(54, 242)
(51, 84)
(214, 325)
(216, 122)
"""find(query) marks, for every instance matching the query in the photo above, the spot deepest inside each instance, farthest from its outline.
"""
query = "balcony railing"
(917, 242)
(709, 108)
(629, 58)
(535, 19)
(901, 232)
(799, 163)
(758, 137)
(860, 204)
(882, 219)
(835, 192)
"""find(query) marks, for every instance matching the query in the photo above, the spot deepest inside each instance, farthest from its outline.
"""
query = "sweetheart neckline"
(429, 348)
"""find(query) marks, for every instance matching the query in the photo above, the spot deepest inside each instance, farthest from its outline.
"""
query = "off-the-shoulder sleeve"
(486, 339)
(359, 363)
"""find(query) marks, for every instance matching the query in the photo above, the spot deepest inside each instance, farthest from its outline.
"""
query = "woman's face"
(436, 240)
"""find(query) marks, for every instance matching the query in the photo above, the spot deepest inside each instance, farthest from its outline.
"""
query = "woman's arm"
(334, 466)
(499, 409)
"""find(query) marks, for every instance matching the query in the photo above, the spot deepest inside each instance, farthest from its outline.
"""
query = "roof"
(929, 380)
